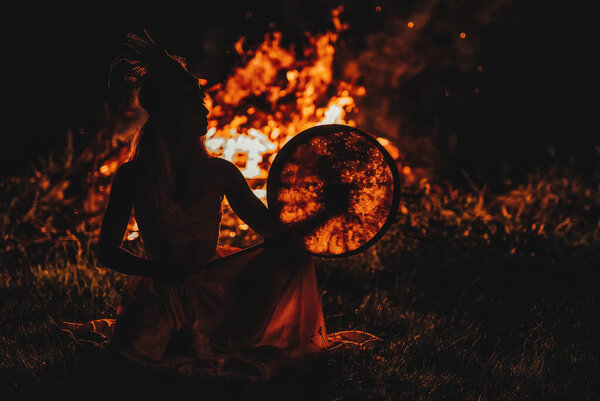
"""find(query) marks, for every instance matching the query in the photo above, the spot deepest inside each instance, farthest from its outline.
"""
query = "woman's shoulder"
(218, 161)
(224, 173)
(221, 167)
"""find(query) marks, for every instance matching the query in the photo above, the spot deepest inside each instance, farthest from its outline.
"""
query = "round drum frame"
(304, 137)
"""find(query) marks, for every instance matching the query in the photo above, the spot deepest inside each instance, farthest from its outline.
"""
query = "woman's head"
(191, 112)
(170, 140)
(165, 88)
(172, 96)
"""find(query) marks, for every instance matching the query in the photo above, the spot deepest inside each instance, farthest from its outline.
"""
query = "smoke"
(412, 65)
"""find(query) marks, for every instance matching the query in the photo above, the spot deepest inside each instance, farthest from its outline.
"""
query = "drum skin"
(336, 188)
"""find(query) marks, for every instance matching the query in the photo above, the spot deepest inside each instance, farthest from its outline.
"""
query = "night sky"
(538, 89)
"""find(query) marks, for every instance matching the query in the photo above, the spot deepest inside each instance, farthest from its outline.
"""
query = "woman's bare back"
(179, 235)
(187, 234)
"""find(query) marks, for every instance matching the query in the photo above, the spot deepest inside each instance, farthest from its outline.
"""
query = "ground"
(476, 296)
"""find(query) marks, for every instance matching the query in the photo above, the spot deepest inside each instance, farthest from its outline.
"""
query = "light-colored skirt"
(243, 317)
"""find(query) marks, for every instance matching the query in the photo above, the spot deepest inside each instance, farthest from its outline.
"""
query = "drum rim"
(320, 130)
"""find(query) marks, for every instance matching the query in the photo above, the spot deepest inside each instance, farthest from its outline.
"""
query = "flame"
(277, 93)
(254, 144)
(274, 96)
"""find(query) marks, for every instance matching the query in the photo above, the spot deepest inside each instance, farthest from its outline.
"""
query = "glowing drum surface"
(336, 188)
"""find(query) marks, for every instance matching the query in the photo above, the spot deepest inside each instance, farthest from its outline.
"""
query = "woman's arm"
(120, 204)
(245, 204)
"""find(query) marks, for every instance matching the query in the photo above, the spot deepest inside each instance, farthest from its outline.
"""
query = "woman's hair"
(162, 155)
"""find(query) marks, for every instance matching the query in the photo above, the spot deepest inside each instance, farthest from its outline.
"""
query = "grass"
(476, 296)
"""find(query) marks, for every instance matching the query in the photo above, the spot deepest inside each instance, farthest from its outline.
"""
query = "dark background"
(537, 91)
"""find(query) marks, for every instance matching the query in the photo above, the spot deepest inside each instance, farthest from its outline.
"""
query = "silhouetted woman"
(251, 313)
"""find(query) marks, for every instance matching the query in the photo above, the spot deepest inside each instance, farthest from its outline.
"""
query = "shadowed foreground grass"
(468, 307)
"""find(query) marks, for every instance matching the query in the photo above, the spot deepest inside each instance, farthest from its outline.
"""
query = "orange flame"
(275, 95)
(294, 93)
